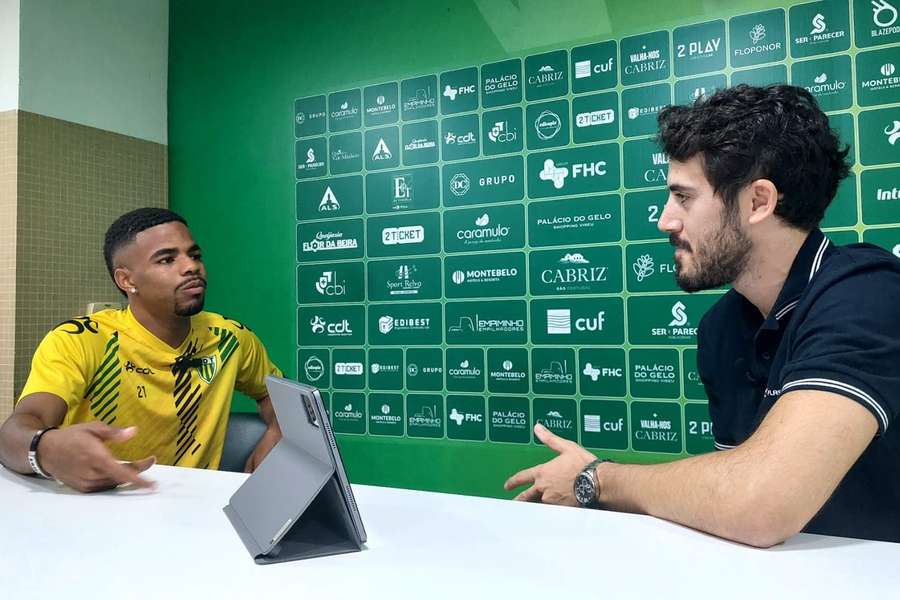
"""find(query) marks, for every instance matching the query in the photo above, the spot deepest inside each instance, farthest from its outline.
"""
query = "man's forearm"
(15, 439)
(717, 493)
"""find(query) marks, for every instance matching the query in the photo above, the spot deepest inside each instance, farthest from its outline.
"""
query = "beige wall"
(73, 181)
(8, 179)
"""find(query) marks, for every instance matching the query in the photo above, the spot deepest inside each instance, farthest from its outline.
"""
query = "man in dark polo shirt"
(800, 359)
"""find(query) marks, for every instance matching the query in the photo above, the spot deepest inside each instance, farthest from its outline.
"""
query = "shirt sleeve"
(254, 366)
(60, 366)
(714, 404)
(849, 343)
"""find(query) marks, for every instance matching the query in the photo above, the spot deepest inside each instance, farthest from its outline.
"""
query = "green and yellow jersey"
(108, 367)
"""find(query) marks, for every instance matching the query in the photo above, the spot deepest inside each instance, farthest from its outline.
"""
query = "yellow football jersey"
(108, 367)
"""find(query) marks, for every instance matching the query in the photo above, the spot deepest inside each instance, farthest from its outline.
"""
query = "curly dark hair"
(776, 132)
(125, 229)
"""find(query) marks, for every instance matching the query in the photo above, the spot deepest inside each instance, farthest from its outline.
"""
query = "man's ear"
(122, 277)
(763, 197)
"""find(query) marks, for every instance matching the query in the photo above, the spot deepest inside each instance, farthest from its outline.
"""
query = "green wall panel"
(444, 214)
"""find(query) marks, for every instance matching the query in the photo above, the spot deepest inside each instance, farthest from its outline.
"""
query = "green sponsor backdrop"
(448, 265)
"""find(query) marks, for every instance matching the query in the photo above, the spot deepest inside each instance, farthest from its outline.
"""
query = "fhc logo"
(559, 173)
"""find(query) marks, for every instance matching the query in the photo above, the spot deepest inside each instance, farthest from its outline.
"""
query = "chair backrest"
(244, 431)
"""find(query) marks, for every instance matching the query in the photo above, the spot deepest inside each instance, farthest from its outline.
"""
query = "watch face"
(584, 489)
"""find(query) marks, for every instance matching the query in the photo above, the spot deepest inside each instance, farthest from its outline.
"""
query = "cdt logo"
(318, 325)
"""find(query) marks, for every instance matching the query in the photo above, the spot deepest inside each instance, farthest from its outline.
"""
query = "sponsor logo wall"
(477, 247)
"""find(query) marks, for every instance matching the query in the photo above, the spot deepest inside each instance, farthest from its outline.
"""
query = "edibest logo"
(387, 324)
(559, 173)
(413, 234)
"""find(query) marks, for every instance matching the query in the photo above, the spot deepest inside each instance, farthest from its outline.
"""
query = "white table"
(177, 543)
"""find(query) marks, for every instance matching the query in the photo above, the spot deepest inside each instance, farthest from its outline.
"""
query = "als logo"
(327, 285)
(382, 152)
(329, 202)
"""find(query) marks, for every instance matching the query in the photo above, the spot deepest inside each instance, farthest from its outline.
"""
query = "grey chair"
(244, 431)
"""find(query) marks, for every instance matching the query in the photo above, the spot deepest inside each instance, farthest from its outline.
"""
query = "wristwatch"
(587, 490)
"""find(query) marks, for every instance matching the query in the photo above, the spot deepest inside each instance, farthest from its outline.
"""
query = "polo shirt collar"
(806, 264)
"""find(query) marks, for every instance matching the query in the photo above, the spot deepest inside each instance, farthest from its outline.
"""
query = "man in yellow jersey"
(149, 383)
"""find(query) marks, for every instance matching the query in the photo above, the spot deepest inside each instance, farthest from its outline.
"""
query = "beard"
(717, 262)
(191, 308)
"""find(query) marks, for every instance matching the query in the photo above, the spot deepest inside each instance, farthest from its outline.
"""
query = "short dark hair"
(123, 231)
(776, 132)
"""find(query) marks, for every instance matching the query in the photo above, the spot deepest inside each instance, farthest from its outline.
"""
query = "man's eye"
(166, 260)
(198, 257)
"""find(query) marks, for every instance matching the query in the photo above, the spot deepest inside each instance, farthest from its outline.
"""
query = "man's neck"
(768, 268)
(171, 329)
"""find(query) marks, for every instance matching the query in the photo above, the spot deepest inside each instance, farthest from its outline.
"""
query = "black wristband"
(33, 453)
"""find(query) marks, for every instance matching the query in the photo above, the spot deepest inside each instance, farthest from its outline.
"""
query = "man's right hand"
(78, 456)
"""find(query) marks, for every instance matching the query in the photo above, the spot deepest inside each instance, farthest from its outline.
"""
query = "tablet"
(298, 503)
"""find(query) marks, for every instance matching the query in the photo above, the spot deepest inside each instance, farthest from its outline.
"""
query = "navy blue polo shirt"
(835, 327)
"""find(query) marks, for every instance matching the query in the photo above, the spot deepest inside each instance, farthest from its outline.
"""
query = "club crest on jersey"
(206, 368)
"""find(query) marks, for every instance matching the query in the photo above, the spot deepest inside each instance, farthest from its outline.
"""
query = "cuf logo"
(206, 368)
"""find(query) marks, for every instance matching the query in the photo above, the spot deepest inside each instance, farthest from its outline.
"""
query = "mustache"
(673, 239)
(190, 282)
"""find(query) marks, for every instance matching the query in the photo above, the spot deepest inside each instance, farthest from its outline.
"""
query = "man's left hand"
(554, 481)
(265, 444)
